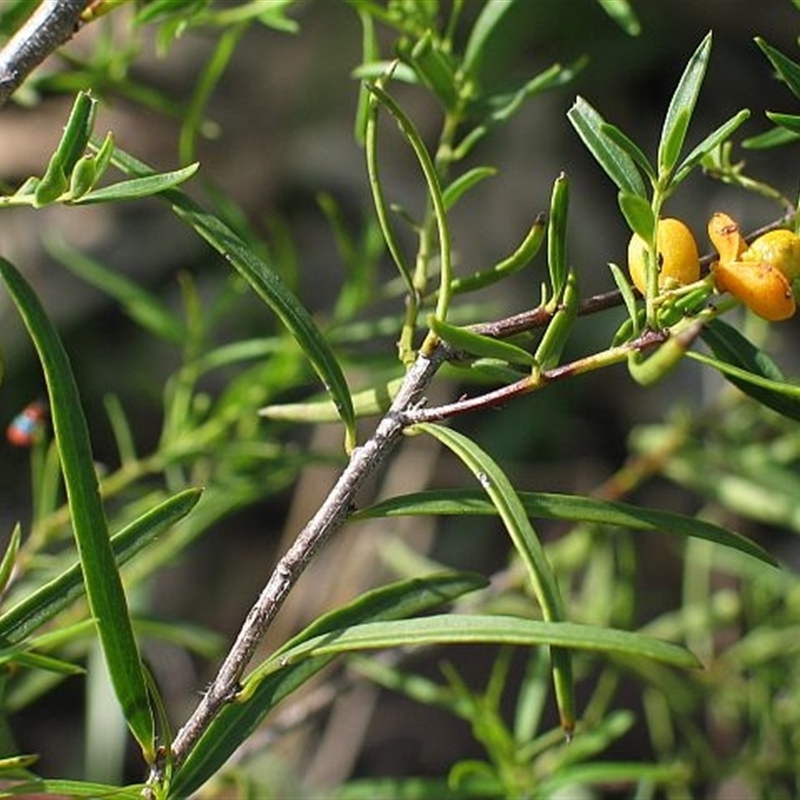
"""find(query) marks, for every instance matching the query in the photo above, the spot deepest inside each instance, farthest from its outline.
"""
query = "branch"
(52, 24)
(328, 519)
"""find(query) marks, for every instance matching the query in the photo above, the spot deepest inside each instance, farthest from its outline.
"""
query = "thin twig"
(531, 383)
(53, 23)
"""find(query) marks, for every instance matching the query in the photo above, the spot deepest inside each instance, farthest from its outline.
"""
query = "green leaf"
(631, 326)
(681, 107)
(52, 598)
(567, 508)
(476, 344)
(618, 165)
(499, 108)
(83, 177)
(204, 85)
(638, 214)
(543, 581)
(508, 505)
(138, 187)
(71, 147)
(376, 188)
(771, 138)
(41, 662)
(791, 122)
(614, 773)
(788, 70)
(557, 237)
(434, 193)
(267, 284)
(710, 143)
(142, 306)
(440, 629)
(621, 12)
(630, 147)
(367, 403)
(264, 688)
(463, 183)
(554, 339)
(491, 14)
(46, 787)
(104, 589)
(751, 370)
(434, 68)
(10, 556)
(520, 258)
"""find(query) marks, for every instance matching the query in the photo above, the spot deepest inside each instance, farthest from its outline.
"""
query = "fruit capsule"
(759, 275)
(764, 289)
(726, 237)
(678, 259)
(781, 248)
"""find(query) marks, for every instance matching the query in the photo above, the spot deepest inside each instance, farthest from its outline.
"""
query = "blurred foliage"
(568, 623)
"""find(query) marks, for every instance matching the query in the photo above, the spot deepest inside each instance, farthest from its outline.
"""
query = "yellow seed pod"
(781, 248)
(678, 259)
(759, 275)
(764, 289)
(726, 237)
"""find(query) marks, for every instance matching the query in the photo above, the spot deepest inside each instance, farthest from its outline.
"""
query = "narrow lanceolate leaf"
(41, 606)
(104, 588)
(566, 507)
(73, 143)
(265, 687)
(428, 168)
(619, 166)
(465, 182)
(505, 499)
(557, 237)
(621, 12)
(482, 629)
(627, 144)
(266, 283)
(45, 787)
(681, 107)
(791, 122)
(751, 370)
(714, 139)
(475, 344)
(138, 187)
(10, 556)
(520, 258)
(788, 70)
(485, 26)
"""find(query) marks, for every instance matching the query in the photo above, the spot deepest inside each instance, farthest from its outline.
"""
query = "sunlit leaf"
(569, 508)
(104, 588)
(618, 165)
(681, 107)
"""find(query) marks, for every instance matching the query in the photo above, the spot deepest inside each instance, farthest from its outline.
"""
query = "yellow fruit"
(764, 289)
(726, 237)
(678, 259)
(781, 248)
(759, 275)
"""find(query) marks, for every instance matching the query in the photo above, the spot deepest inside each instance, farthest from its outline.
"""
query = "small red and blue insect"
(25, 427)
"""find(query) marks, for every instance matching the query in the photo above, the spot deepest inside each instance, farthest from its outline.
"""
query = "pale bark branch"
(53, 23)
